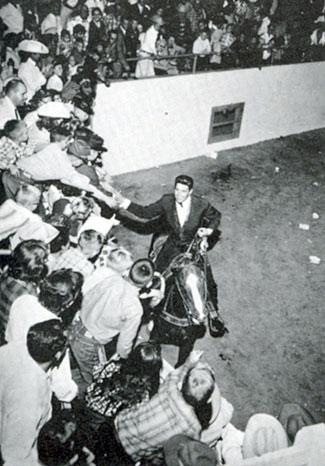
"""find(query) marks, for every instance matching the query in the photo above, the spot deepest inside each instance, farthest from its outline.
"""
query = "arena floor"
(270, 294)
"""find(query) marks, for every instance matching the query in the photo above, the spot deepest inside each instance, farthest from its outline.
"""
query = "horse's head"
(191, 284)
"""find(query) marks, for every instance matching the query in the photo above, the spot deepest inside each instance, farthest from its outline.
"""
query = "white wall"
(151, 122)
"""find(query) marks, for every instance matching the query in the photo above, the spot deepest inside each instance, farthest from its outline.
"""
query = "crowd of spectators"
(111, 39)
(62, 271)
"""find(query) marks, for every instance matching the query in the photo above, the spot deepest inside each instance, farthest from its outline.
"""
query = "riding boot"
(217, 326)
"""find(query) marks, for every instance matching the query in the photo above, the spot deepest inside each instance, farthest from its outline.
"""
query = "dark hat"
(83, 134)
(293, 417)
(80, 103)
(190, 452)
(59, 206)
(96, 143)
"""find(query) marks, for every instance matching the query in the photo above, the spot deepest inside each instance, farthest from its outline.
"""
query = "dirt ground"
(270, 294)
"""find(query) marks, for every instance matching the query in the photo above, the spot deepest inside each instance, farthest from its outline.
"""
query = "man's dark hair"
(10, 126)
(185, 179)
(188, 396)
(45, 340)
(142, 272)
(27, 261)
(63, 238)
(58, 289)
(12, 85)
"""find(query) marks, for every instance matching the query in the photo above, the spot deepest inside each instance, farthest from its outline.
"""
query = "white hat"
(263, 434)
(100, 224)
(32, 46)
(34, 230)
(54, 110)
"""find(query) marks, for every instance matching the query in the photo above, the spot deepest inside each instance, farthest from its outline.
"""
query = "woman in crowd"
(121, 383)
(27, 266)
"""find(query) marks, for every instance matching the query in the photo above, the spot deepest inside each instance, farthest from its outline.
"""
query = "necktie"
(17, 114)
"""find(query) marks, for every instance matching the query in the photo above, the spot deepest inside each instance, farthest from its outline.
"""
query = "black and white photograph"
(162, 225)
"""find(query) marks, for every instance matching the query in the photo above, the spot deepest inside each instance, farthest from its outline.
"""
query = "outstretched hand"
(195, 356)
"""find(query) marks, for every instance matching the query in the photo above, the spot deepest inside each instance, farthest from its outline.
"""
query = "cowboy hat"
(263, 434)
(54, 110)
(32, 46)
(181, 449)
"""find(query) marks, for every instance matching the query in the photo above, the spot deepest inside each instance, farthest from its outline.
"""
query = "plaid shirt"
(10, 152)
(74, 259)
(143, 429)
(10, 290)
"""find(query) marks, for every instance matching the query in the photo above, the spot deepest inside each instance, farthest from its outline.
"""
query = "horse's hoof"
(217, 328)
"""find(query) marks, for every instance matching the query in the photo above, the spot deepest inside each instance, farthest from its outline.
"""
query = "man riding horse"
(183, 217)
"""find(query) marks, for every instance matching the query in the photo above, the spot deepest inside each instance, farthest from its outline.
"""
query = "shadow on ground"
(271, 295)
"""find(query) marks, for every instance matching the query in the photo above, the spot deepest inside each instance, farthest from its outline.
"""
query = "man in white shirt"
(15, 96)
(202, 46)
(29, 71)
(12, 15)
(25, 393)
(110, 314)
(145, 68)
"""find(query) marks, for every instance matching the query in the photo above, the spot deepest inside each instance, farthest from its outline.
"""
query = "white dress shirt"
(183, 210)
(32, 76)
(7, 111)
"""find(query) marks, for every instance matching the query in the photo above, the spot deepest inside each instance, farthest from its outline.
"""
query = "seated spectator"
(161, 66)
(81, 18)
(15, 96)
(55, 82)
(110, 19)
(51, 24)
(195, 13)
(13, 145)
(50, 115)
(12, 41)
(226, 41)
(97, 32)
(122, 383)
(179, 27)
(41, 97)
(27, 265)
(12, 16)
(25, 393)
(29, 71)
(65, 44)
(174, 49)
(201, 46)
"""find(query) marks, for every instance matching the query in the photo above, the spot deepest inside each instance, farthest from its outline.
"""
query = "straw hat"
(263, 434)
(54, 110)
(33, 46)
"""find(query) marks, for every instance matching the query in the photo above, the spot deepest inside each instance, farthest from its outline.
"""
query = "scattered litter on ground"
(276, 170)
(303, 226)
(212, 155)
(315, 183)
(314, 260)
(315, 216)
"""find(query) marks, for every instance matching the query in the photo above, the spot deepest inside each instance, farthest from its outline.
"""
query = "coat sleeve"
(211, 217)
(150, 211)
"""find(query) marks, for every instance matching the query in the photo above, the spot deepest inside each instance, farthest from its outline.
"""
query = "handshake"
(116, 201)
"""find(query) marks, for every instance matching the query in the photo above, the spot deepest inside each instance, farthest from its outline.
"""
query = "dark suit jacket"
(202, 214)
